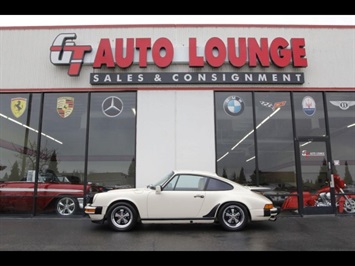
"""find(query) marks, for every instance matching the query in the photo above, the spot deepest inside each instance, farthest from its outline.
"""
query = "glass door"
(316, 188)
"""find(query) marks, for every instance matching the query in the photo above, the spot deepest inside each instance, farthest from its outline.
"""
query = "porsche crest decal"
(18, 106)
(65, 106)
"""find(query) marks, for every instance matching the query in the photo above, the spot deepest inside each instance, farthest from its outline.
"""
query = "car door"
(16, 196)
(183, 200)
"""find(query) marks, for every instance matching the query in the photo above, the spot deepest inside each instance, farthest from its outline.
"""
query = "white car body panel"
(166, 206)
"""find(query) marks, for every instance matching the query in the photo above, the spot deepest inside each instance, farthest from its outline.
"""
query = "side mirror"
(158, 189)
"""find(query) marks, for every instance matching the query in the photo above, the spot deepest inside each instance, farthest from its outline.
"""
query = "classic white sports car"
(182, 197)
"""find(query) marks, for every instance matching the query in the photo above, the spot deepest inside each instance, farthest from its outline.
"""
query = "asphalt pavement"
(50, 233)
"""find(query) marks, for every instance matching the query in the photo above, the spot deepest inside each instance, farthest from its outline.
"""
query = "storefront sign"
(196, 78)
(237, 52)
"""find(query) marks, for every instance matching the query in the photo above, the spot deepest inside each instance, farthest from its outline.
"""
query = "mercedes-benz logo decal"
(112, 106)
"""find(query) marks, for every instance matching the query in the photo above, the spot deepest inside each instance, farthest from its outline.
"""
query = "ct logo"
(112, 106)
(64, 51)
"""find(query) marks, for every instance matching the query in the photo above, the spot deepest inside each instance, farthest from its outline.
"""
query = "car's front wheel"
(66, 206)
(122, 217)
(233, 217)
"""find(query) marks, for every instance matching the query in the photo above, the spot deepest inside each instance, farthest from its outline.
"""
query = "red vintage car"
(54, 193)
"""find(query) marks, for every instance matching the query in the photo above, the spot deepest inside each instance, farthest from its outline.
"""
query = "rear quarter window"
(217, 185)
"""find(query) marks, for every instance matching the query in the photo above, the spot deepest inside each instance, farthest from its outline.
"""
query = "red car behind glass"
(54, 193)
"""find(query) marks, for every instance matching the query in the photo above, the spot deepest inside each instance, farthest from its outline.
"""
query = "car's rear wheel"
(122, 217)
(349, 205)
(66, 206)
(233, 217)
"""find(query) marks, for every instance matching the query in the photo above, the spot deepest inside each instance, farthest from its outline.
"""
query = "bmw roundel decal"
(233, 105)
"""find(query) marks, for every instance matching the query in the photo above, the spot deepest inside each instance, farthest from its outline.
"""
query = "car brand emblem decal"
(343, 105)
(309, 105)
(18, 106)
(112, 106)
(273, 106)
(233, 105)
(65, 106)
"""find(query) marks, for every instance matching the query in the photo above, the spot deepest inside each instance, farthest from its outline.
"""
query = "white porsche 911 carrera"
(182, 197)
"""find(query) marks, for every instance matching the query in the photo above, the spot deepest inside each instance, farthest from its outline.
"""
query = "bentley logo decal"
(343, 105)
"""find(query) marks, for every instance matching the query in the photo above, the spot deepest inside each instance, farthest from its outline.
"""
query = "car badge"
(309, 105)
(233, 105)
(112, 106)
(343, 105)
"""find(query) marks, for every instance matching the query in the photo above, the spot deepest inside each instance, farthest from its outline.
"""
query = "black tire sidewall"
(133, 220)
(225, 225)
(76, 205)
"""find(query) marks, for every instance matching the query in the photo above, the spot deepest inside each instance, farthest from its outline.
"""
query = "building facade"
(121, 106)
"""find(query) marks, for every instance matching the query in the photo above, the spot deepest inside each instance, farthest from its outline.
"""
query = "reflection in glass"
(276, 157)
(111, 160)
(19, 118)
(341, 117)
(309, 114)
(235, 136)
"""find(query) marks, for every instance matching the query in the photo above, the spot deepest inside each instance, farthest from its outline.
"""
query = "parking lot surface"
(308, 233)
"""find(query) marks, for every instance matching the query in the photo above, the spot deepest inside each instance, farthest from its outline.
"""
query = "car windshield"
(162, 181)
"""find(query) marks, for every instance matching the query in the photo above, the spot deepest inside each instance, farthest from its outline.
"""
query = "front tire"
(233, 217)
(122, 217)
(66, 206)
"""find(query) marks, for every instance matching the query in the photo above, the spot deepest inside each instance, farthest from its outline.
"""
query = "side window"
(187, 183)
(171, 185)
(216, 185)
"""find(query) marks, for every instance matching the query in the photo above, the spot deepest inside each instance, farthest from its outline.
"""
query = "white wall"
(25, 53)
(175, 130)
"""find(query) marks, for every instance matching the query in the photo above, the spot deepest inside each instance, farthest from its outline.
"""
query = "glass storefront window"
(64, 128)
(341, 117)
(275, 145)
(235, 136)
(19, 126)
(47, 164)
(111, 160)
(274, 137)
(309, 114)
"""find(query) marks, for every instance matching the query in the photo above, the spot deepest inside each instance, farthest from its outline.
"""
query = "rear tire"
(122, 217)
(349, 205)
(233, 217)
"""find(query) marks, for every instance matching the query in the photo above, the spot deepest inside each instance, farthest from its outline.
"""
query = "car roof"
(197, 172)
(209, 174)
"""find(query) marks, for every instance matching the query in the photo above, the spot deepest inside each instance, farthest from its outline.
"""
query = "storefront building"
(102, 107)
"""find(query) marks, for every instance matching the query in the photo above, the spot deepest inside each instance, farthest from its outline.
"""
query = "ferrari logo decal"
(65, 106)
(18, 106)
